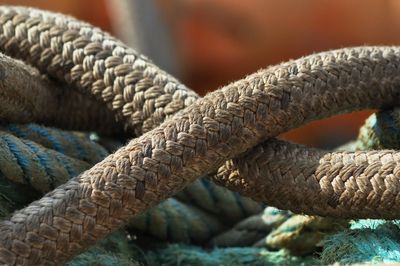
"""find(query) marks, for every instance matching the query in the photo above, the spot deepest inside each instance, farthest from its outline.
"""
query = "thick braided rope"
(173, 220)
(178, 97)
(96, 63)
(37, 93)
(26, 96)
(208, 118)
(339, 184)
(87, 202)
(229, 206)
(347, 185)
(379, 129)
(42, 158)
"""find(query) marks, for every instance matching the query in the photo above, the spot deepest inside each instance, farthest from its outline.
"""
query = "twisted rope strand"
(380, 131)
(71, 144)
(197, 141)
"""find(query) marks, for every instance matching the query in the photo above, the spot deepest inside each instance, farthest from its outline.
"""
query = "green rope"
(178, 222)
(228, 205)
(25, 162)
(14, 196)
(190, 255)
(72, 144)
(116, 249)
(376, 244)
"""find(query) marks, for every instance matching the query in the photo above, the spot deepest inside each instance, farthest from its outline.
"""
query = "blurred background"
(209, 43)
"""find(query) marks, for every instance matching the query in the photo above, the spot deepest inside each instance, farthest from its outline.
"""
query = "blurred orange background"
(219, 41)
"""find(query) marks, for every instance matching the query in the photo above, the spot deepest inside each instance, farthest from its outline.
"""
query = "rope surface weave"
(200, 138)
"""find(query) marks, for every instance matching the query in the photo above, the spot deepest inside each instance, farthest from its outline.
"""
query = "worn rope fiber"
(195, 142)
(42, 158)
(369, 241)
(250, 231)
(40, 101)
(380, 131)
(26, 96)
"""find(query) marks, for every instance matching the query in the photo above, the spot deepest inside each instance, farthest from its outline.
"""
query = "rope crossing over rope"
(228, 132)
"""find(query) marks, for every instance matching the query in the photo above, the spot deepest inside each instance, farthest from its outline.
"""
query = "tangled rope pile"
(227, 135)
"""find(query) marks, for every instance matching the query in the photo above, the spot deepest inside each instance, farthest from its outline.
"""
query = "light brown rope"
(338, 184)
(199, 139)
(25, 96)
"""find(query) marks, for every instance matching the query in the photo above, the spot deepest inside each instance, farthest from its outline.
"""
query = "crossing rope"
(228, 135)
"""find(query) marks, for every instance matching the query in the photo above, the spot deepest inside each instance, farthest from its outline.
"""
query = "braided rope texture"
(198, 139)
(27, 96)
(42, 158)
(171, 220)
(96, 63)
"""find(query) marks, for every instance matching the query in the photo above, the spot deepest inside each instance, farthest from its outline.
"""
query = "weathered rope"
(34, 92)
(197, 141)
(342, 183)
(72, 144)
(189, 255)
(369, 241)
(116, 249)
(250, 231)
(26, 96)
(380, 131)
(371, 178)
(96, 63)
(364, 245)
(303, 234)
(175, 221)
(26, 162)
(43, 158)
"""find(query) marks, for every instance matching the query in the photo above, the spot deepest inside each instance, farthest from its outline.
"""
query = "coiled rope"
(200, 138)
